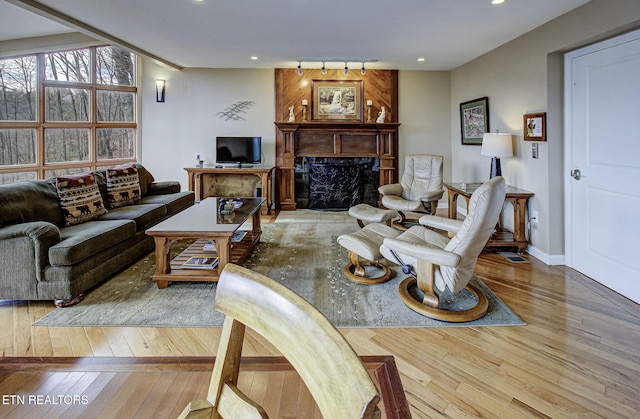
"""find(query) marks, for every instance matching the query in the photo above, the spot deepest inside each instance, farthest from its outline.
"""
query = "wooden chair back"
(328, 365)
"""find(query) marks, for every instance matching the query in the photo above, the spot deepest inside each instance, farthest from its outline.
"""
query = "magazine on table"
(201, 262)
(237, 237)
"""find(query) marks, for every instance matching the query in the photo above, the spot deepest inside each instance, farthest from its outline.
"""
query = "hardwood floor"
(578, 355)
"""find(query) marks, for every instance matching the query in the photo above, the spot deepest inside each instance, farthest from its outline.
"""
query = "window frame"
(40, 124)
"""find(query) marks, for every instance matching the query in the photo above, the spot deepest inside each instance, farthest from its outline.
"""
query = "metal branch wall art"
(234, 111)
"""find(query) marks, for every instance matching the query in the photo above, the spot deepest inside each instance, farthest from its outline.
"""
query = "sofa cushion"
(144, 215)
(80, 198)
(123, 186)
(81, 241)
(146, 178)
(35, 200)
(175, 202)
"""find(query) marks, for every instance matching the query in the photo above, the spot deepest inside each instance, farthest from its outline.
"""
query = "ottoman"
(365, 243)
(366, 213)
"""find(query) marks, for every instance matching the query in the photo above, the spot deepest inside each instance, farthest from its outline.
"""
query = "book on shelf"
(201, 262)
(237, 237)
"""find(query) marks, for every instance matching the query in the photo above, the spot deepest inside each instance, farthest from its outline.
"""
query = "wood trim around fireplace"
(325, 139)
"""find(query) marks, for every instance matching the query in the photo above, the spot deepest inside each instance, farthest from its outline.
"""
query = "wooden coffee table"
(204, 222)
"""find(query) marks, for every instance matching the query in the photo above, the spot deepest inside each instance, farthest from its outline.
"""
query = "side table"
(503, 237)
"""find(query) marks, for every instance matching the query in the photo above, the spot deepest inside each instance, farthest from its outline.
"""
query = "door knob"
(575, 173)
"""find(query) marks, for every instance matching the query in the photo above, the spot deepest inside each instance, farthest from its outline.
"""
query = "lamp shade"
(496, 144)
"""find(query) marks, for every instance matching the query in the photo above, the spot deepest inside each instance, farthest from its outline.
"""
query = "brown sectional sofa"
(42, 259)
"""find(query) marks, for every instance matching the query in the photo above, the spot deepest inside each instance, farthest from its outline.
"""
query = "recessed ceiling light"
(497, 1)
(421, 59)
(254, 58)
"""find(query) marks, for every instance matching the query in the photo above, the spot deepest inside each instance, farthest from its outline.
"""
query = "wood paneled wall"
(379, 86)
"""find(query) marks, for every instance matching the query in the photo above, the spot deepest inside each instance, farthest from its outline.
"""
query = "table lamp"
(496, 145)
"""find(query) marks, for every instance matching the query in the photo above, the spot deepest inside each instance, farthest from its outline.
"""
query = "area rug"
(303, 256)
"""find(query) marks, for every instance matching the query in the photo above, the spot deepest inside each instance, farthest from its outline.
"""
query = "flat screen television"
(239, 151)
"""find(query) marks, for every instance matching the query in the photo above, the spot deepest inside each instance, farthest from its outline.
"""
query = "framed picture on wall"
(535, 126)
(474, 120)
(336, 99)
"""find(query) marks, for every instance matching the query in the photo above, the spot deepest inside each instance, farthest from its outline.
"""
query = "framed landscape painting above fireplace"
(336, 100)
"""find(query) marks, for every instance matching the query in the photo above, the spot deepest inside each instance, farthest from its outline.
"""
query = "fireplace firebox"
(336, 184)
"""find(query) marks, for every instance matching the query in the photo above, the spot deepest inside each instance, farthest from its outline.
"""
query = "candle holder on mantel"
(369, 103)
(304, 110)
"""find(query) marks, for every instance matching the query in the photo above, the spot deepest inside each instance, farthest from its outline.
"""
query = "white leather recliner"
(439, 263)
(420, 187)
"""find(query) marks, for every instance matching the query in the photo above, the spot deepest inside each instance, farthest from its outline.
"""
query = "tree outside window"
(79, 115)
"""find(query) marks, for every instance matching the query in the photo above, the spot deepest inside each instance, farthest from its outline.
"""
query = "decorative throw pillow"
(80, 198)
(123, 186)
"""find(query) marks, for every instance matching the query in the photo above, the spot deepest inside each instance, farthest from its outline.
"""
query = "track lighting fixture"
(346, 62)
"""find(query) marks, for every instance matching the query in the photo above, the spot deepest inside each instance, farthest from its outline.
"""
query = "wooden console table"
(502, 238)
(205, 181)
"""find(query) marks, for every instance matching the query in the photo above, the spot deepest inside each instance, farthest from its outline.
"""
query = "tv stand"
(231, 181)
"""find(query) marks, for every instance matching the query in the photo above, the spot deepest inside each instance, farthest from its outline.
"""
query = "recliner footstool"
(365, 243)
(366, 213)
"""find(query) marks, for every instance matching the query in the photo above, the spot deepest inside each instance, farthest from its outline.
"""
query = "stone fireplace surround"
(334, 184)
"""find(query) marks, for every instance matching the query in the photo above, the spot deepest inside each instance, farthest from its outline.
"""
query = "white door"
(602, 100)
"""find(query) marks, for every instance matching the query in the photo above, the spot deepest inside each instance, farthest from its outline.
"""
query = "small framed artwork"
(535, 126)
(474, 120)
(336, 100)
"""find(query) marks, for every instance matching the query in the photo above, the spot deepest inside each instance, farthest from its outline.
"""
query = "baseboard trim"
(546, 258)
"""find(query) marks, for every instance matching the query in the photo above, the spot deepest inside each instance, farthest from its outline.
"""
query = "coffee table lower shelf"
(239, 253)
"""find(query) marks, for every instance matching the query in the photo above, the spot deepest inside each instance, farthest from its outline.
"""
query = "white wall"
(173, 132)
(187, 123)
(525, 76)
(424, 112)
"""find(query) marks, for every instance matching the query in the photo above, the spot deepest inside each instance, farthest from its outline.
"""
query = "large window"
(66, 112)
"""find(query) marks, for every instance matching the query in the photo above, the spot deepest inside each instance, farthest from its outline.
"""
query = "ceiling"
(227, 33)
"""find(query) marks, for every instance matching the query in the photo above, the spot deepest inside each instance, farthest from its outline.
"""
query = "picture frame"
(534, 126)
(474, 120)
(336, 100)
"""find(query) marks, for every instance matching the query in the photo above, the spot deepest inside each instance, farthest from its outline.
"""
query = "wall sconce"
(299, 68)
(363, 71)
(496, 145)
(160, 85)
(346, 69)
